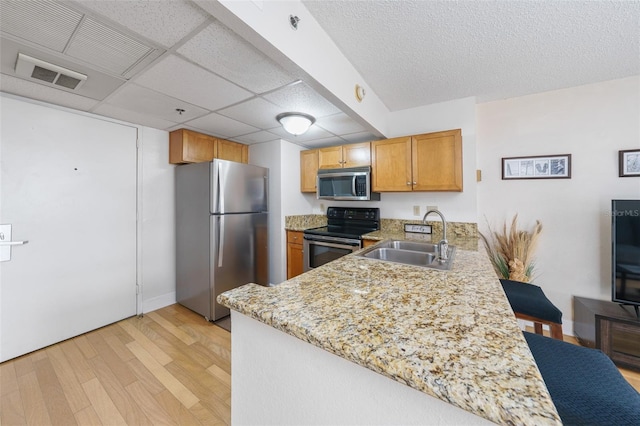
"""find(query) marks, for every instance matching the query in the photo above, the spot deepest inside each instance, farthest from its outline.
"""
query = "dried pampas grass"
(511, 250)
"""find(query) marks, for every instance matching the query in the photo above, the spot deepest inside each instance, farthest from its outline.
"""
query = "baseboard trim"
(158, 302)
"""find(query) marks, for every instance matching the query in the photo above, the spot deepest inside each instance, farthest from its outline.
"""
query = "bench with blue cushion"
(529, 303)
(584, 384)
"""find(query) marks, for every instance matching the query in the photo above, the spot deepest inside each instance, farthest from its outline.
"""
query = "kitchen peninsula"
(446, 342)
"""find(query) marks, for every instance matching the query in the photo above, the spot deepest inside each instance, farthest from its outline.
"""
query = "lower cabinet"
(295, 254)
(368, 243)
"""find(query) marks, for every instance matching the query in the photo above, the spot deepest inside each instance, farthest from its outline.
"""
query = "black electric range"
(348, 222)
(341, 236)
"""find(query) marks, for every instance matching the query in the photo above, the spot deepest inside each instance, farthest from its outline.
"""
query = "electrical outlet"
(416, 210)
(322, 207)
(432, 208)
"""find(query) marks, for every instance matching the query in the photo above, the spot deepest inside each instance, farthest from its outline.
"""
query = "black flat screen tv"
(625, 262)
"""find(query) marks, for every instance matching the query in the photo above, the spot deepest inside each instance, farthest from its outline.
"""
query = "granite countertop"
(450, 334)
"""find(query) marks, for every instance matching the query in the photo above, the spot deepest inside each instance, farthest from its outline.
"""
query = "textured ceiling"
(145, 58)
(414, 53)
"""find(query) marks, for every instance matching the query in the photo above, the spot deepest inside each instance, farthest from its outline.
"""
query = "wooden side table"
(607, 326)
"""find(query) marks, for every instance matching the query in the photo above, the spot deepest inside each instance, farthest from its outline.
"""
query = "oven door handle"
(348, 246)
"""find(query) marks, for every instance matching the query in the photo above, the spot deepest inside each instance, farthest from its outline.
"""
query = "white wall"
(456, 206)
(592, 123)
(158, 239)
(285, 199)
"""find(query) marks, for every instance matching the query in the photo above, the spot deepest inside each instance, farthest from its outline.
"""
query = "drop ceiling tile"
(46, 23)
(360, 137)
(222, 51)
(301, 98)
(176, 77)
(97, 44)
(256, 112)
(20, 87)
(339, 124)
(165, 25)
(320, 143)
(133, 117)
(218, 125)
(257, 137)
(145, 101)
(314, 132)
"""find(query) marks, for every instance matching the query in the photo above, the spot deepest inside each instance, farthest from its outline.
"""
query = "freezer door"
(238, 187)
(239, 254)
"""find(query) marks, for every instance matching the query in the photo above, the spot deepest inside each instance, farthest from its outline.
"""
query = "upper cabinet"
(428, 162)
(338, 157)
(232, 151)
(187, 146)
(308, 170)
(391, 165)
(437, 161)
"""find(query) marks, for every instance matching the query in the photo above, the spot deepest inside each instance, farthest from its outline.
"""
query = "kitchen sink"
(409, 253)
(409, 245)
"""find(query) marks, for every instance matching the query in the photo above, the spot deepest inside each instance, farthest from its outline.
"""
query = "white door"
(68, 186)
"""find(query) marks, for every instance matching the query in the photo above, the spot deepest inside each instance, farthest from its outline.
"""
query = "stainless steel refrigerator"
(221, 232)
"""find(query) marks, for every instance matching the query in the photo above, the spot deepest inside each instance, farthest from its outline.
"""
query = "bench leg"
(556, 331)
(537, 327)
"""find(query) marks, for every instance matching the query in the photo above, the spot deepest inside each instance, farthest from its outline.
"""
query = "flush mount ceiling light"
(295, 123)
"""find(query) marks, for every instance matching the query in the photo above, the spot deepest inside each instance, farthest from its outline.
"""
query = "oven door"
(319, 250)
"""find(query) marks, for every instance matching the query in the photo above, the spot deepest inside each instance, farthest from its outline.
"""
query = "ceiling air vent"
(35, 69)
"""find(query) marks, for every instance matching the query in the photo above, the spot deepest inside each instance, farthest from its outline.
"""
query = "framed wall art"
(629, 163)
(537, 167)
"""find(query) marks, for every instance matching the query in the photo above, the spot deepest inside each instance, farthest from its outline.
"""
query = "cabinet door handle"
(408, 183)
(414, 183)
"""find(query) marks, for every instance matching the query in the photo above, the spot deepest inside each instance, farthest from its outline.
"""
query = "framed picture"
(629, 163)
(537, 167)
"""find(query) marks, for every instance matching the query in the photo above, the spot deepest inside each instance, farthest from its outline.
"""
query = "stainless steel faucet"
(443, 245)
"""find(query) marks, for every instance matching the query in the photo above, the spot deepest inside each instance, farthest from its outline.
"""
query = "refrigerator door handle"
(221, 188)
(220, 240)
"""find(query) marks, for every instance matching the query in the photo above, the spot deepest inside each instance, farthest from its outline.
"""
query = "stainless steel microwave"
(353, 184)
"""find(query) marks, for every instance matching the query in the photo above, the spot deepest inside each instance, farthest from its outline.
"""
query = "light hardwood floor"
(169, 367)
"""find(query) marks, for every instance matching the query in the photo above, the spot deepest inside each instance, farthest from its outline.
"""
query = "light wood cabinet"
(437, 161)
(187, 146)
(428, 162)
(368, 243)
(391, 165)
(308, 170)
(232, 151)
(344, 156)
(295, 254)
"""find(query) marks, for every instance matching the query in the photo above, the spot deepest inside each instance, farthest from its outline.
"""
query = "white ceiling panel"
(339, 124)
(166, 23)
(222, 51)
(46, 23)
(105, 47)
(257, 137)
(256, 112)
(148, 102)
(181, 79)
(314, 132)
(218, 125)
(318, 143)
(301, 98)
(133, 117)
(17, 86)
